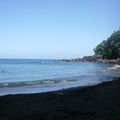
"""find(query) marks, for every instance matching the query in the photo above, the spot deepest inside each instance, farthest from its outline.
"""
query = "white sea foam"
(64, 81)
(113, 67)
(48, 82)
(6, 84)
(29, 83)
(101, 70)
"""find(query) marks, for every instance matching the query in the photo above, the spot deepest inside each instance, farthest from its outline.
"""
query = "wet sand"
(101, 102)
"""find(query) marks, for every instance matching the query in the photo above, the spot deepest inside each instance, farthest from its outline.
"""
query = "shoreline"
(100, 102)
(39, 90)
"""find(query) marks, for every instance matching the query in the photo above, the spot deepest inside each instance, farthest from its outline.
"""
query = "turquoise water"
(33, 75)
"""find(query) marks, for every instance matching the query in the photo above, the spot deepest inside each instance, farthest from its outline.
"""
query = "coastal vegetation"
(110, 48)
(108, 51)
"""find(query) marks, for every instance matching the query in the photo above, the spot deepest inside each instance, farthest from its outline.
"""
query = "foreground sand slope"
(100, 102)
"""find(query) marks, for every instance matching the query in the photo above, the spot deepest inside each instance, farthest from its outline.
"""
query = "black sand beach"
(101, 102)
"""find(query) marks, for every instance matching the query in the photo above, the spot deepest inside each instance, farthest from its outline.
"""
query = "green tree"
(110, 48)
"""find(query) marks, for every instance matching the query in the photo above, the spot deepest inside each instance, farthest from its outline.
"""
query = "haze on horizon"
(55, 28)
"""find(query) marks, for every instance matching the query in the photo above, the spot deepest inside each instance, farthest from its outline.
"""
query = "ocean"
(19, 76)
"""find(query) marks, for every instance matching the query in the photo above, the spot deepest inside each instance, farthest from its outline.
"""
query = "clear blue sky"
(55, 28)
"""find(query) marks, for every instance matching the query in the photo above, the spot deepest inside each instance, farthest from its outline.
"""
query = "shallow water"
(33, 75)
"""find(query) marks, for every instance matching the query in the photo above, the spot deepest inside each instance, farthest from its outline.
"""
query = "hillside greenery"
(110, 48)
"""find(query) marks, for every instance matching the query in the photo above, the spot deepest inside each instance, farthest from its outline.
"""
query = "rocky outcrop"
(73, 60)
(85, 58)
(95, 58)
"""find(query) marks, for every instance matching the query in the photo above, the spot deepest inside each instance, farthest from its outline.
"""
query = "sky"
(55, 29)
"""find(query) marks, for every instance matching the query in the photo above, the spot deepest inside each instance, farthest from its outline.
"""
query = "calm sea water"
(33, 75)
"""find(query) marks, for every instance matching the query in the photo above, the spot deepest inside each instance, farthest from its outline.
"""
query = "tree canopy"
(110, 48)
